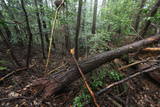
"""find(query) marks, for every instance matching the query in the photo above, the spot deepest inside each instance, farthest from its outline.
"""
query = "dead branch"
(17, 70)
(156, 49)
(132, 64)
(128, 78)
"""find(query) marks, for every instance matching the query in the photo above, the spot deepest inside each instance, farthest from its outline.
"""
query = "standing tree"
(94, 17)
(40, 28)
(151, 14)
(78, 29)
(29, 33)
(44, 21)
(137, 20)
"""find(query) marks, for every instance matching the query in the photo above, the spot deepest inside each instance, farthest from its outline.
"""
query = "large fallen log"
(64, 77)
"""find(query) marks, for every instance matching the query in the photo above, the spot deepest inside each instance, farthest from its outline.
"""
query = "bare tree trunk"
(44, 22)
(137, 20)
(10, 48)
(67, 32)
(66, 37)
(63, 78)
(78, 30)
(84, 15)
(29, 33)
(152, 13)
(94, 17)
(40, 28)
(83, 26)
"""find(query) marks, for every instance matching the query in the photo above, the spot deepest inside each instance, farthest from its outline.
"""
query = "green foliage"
(97, 81)
(98, 78)
(98, 42)
(80, 100)
(118, 15)
(2, 68)
(114, 75)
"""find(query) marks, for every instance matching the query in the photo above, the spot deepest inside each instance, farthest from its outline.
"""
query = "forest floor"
(141, 92)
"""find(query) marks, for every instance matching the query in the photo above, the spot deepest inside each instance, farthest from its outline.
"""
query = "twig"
(114, 101)
(127, 78)
(55, 69)
(138, 35)
(86, 83)
(20, 69)
(129, 65)
(16, 98)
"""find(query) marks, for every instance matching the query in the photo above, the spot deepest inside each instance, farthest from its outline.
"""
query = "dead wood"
(63, 78)
(156, 49)
(17, 70)
(157, 67)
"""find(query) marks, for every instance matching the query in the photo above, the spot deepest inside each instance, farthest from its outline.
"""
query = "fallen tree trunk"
(63, 78)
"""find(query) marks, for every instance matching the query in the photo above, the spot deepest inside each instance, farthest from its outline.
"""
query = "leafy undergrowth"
(136, 92)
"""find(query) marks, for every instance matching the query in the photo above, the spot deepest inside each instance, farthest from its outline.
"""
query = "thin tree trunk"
(137, 20)
(152, 13)
(44, 22)
(66, 31)
(94, 17)
(83, 26)
(29, 33)
(78, 30)
(40, 28)
(84, 15)
(66, 37)
(10, 48)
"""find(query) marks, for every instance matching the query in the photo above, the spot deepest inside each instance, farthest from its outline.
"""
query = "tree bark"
(84, 15)
(78, 29)
(152, 13)
(29, 33)
(94, 17)
(43, 21)
(40, 28)
(137, 20)
(63, 78)
(66, 37)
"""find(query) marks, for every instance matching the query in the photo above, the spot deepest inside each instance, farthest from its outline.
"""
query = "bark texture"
(152, 13)
(94, 17)
(29, 33)
(78, 29)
